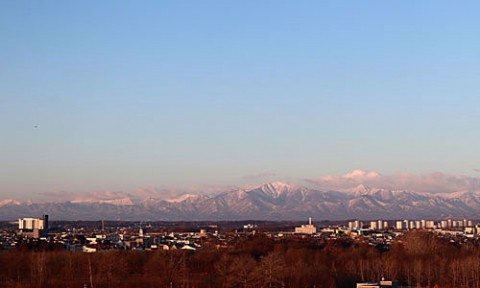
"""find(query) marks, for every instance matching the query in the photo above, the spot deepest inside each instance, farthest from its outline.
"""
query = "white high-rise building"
(399, 225)
(355, 224)
(412, 225)
(380, 224)
(444, 224)
(358, 224)
(38, 227)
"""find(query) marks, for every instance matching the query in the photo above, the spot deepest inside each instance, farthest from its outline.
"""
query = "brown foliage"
(418, 259)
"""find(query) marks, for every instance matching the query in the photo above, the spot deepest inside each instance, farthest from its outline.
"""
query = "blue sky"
(130, 94)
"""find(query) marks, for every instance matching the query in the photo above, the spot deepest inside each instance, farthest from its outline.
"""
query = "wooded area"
(417, 258)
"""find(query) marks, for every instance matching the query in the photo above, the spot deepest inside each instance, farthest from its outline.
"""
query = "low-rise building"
(306, 229)
(380, 284)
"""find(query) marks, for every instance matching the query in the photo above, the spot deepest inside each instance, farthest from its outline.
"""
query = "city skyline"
(120, 96)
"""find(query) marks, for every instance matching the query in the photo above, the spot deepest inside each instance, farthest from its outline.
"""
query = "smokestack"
(309, 220)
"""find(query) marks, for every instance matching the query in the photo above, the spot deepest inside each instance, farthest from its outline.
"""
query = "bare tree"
(270, 271)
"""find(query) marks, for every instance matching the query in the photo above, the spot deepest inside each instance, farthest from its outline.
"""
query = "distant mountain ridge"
(271, 201)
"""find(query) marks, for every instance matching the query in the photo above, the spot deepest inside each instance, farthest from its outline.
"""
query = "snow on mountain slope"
(9, 202)
(106, 197)
(276, 189)
(271, 201)
(182, 198)
(119, 201)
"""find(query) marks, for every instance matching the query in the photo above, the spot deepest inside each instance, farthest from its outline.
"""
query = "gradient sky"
(131, 94)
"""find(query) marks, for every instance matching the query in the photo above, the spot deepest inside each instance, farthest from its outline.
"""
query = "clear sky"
(119, 95)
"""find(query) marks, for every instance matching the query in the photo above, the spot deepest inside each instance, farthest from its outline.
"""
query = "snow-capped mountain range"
(271, 201)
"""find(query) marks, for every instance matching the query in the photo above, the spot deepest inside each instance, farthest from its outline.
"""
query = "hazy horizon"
(432, 183)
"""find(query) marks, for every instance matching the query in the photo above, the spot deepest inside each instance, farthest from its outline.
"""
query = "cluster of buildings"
(79, 240)
(379, 233)
(138, 241)
(410, 224)
(357, 226)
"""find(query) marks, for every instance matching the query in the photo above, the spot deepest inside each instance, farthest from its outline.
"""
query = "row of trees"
(418, 259)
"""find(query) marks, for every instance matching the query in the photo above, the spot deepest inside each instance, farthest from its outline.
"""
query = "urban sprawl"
(379, 233)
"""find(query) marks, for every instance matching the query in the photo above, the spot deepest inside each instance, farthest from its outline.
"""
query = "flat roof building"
(306, 229)
(36, 227)
(381, 284)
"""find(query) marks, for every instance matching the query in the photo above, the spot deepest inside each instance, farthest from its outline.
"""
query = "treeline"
(418, 259)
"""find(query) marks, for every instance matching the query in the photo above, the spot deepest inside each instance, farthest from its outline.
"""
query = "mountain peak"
(272, 201)
(359, 190)
(277, 188)
(362, 189)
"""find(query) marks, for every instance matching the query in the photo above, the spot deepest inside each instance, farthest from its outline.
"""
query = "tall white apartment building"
(380, 225)
(37, 227)
(355, 224)
(399, 225)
